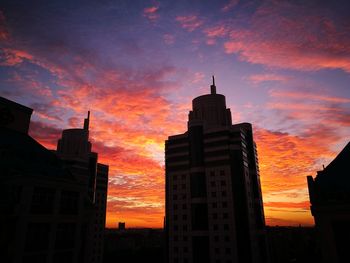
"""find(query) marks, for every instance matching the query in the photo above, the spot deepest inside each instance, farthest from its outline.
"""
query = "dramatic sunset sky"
(284, 66)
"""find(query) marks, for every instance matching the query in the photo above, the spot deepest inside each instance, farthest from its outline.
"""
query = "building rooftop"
(336, 176)
(21, 154)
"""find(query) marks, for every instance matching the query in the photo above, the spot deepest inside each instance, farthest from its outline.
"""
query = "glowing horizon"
(137, 65)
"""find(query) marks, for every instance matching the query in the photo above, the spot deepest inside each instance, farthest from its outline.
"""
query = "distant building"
(52, 205)
(330, 205)
(121, 226)
(214, 209)
(74, 148)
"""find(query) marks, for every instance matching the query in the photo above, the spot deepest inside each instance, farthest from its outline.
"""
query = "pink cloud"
(169, 39)
(190, 22)
(151, 13)
(259, 78)
(302, 41)
(12, 57)
(4, 35)
(308, 96)
(230, 5)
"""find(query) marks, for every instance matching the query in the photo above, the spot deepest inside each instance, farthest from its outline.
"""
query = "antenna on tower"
(213, 87)
(87, 122)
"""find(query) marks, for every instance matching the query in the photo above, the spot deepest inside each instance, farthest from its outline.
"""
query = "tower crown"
(210, 110)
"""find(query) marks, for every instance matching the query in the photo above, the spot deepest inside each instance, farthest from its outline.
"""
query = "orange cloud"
(190, 22)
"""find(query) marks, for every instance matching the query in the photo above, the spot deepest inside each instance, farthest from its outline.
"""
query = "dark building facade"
(47, 213)
(74, 149)
(330, 205)
(214, 209)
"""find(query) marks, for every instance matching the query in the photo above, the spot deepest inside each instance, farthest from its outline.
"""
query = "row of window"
(185, 260)
(216, 238)
(212, 183)
(215, 227)
(43, 201)
(211, 173)
(214, 205)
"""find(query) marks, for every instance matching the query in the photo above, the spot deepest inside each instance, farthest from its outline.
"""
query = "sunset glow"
(284, 66)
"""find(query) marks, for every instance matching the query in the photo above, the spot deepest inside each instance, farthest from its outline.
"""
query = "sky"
(284, 66)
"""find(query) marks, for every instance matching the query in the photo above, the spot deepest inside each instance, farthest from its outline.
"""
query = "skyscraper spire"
(87, 122)
(213, 87)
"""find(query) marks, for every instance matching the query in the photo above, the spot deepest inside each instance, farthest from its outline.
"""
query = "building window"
(222, 172)
(37, 238)
(228, 250)
(175, 238)
(185, 238)
(223, 193)
(213, 194)
(223, 183)
(215, 216)
(224, 204)
(175, 187)
(175, 206)
(175, 197)
(69, 202)
(65, 235)
(216, 238)
(217, 250)
(183, 186)
(226, 227)
(225, 215)
(184, 206)
(42, 200)
(175, 177)
(215, 227)
(215, 205)
(212, 173)
(213, 183)
(64, 256)
(227, 238)
(176, 227)
(183, 177)
(175, 217)
(184, 227)
(184, 217)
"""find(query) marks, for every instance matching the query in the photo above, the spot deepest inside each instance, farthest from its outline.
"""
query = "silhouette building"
(214, 209)
(47, 213)
(330, 205)
(74, 148)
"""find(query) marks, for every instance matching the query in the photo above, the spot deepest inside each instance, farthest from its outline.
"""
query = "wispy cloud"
(189, 22)
(230, 5)
(270, 39)
(259, 78)
(151, 12)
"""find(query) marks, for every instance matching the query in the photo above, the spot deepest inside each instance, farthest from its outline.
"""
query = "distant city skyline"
(283, 66)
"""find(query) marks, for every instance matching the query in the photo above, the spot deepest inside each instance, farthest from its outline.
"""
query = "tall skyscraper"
(330, 205)
(214, 209)
(74, 148)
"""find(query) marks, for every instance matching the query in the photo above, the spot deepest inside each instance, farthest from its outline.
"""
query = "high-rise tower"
(74, 148)
(214, 209)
